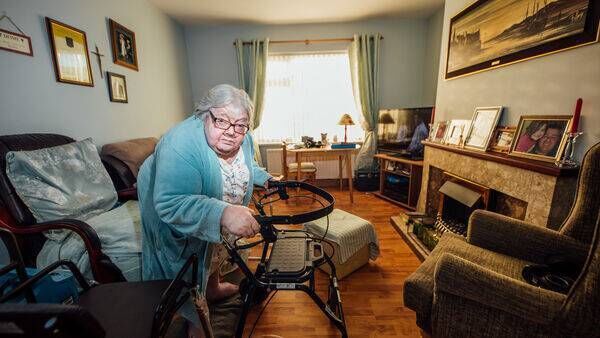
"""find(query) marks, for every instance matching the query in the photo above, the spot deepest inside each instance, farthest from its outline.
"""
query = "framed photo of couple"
(541, 137)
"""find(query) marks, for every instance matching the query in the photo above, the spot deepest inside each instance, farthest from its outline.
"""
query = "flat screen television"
(398, 127)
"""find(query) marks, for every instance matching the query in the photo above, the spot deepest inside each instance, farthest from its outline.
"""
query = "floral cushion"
(67, 181)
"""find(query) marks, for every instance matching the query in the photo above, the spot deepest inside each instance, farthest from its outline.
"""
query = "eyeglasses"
(224, 125)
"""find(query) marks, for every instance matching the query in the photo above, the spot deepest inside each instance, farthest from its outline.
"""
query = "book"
(343, 145)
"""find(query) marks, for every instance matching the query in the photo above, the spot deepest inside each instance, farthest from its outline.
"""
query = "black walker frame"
(272, 273)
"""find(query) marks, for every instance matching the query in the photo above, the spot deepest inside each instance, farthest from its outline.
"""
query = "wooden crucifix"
(99, 57)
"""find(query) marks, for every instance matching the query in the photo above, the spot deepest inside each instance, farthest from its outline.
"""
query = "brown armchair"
(474, 287)
(16, 217)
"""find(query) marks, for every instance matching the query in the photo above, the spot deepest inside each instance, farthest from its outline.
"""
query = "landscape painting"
(491, 33)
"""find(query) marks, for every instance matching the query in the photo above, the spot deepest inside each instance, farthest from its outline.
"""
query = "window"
(305, 95)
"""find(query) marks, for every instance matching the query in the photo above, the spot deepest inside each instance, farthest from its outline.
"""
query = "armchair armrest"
(103, 268)
(520, 239)
(468, 280)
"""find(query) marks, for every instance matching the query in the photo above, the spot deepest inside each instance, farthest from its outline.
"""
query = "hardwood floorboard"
(371, 296)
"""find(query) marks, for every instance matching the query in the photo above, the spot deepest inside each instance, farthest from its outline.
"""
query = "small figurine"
(324, 139)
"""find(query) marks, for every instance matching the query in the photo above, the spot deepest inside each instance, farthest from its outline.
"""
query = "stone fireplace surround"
(547, 192)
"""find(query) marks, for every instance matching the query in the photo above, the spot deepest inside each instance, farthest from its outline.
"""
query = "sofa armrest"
(522, 240)
(119, 172)
(464, 279)
(103, 269)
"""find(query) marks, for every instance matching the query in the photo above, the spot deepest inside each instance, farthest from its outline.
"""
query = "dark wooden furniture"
(400, 180)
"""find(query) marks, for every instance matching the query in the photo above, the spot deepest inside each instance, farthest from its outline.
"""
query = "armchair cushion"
(120, 234)
(418, 287)
(468, 280)
(66, 181)
(519, 239)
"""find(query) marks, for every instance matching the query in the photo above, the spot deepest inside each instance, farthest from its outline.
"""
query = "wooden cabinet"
(400, 180)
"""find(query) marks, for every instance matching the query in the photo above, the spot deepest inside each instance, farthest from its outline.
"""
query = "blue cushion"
(67, 181)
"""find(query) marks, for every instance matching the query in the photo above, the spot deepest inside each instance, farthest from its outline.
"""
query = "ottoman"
(353, 238)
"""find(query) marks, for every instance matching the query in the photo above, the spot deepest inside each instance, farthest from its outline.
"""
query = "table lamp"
(346, 121)
(385, 118)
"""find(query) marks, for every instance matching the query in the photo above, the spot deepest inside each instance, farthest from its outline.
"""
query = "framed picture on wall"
(493, 33)
(541, 137)
(117, 87)
(124, 49)
(482, 126)
(69, 54)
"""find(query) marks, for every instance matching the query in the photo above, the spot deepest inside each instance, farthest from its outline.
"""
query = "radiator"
(327, 166)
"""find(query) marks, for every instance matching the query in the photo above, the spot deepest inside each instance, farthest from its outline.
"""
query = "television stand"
(400, 180)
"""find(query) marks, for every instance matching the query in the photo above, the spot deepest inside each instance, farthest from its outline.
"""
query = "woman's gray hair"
(224, 95)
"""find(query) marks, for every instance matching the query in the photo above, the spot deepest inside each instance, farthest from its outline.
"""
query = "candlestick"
(567, 159)
(576, 115)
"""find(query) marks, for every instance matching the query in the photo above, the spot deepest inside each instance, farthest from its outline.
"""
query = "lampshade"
(346, 120)
(385, 117)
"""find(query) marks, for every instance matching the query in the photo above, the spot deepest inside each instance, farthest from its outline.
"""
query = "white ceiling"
(294, 11)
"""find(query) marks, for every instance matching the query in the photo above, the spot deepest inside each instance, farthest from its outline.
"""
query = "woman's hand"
(239, 220)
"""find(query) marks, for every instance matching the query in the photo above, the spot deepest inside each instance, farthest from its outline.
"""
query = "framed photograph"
(69, 54)
(502, 139)
(457, 130)
(440, 131)
(117, 87)
(540, 137)
(123, 46)
(494, 33)
(482, 126)
(15, 42)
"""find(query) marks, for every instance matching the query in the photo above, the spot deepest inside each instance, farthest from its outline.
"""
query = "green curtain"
(364, 70)
(252, 69)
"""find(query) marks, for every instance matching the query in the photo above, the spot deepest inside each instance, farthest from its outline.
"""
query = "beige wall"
(547, 85)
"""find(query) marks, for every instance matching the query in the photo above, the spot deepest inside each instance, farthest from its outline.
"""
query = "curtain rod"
(307, 41)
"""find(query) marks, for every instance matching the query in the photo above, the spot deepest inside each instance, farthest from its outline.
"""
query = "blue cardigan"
(180, 192)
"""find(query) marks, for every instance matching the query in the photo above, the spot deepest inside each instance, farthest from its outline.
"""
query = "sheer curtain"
(305, 95)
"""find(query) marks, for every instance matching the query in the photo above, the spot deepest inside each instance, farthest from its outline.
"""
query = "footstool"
(353, 238)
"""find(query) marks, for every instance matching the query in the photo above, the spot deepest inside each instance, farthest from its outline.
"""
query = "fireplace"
(458, 198)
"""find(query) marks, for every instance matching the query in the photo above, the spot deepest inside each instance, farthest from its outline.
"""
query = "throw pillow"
(67, 181)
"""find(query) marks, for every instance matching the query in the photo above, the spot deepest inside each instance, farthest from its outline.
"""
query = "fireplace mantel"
(547, 190)
(541, 167)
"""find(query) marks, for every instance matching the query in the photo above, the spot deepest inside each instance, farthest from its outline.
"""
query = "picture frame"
(482, 126)
(457, 130)
(69, 54)
(502, 139)
(15, 42)
(117, 87)
(541, 137)
(439, 131)
(493, 33)
(124, 48)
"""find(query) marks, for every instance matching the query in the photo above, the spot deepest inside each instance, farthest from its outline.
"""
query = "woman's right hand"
(239, 220)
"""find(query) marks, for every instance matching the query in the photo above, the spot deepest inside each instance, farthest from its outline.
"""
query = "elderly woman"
(196, 186)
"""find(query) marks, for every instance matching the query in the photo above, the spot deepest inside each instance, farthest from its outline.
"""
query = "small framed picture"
(15, 42)
(502, 139)
(69, 53)
(123, 46)
(482, 126)
(456, 132)
(541, 137)
(439, 131)
(117, 87)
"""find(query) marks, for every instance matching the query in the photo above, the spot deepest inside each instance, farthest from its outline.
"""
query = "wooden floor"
(372, 295)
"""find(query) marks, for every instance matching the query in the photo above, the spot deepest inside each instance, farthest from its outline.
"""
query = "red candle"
(432, 114)
(576, 115)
